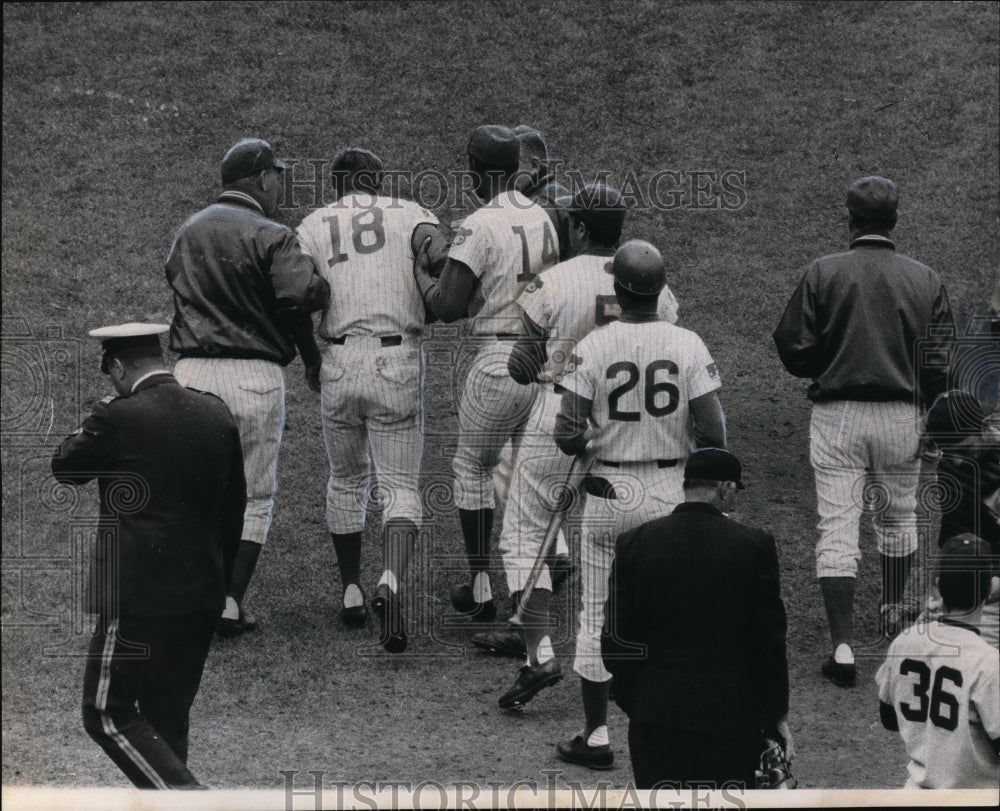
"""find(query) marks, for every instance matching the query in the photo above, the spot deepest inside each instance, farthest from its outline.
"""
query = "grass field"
(115, 117)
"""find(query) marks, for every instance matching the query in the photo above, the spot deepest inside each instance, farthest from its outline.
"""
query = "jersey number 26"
(651, 389)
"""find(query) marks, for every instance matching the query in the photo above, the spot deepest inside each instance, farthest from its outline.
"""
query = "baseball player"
(559, 308)
(371, 376)
(495, 253)
(640, 393)
(939, 686)
(170, 475)
(861, 325)
(243, 291)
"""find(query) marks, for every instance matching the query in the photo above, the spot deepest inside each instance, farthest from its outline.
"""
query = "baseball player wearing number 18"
(650, 389)
(371, 376)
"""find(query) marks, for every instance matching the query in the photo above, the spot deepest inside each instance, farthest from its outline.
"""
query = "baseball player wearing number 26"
(371, 376)
(650, 389)
(861, 325)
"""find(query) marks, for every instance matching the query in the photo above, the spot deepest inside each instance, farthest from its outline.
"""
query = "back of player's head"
(356, 169)
(493, 147)
(602, 209)
(966, 566)
(872, 203)
(638, 268)
(531, 147)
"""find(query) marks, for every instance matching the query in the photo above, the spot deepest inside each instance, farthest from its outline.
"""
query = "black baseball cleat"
(229, 628)
(843, 675)
(501, 642)
(580, 752)
(389, 608)
(463, 602)
(355, 616)
(530, 680)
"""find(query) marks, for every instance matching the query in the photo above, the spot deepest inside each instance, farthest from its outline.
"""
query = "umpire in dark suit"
(695, 637)
(172, 494)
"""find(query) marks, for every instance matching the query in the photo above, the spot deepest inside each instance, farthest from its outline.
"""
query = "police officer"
(170, 475)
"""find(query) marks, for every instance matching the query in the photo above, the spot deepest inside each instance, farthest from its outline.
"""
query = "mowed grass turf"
(115, 117)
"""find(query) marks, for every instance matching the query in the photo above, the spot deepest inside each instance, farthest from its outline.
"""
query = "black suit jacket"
(695, 626)
(170, 475)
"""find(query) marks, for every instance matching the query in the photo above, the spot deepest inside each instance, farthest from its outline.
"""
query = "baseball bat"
(551, 531)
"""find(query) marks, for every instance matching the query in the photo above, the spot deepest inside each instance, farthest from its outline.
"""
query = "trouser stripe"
(108, 725)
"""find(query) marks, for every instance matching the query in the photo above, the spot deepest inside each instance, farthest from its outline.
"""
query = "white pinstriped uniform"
(254, 390)
(567, 301)
(640, 378)
(506, 243)
(944, 683)
(371, 391)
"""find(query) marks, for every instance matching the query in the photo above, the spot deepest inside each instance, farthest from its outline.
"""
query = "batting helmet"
(638, 267)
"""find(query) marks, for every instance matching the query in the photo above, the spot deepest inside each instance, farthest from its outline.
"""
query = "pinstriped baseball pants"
(372, 411)
(254, 390)
(491, 410)
(140, 680)
(864, 453)
(644, 492)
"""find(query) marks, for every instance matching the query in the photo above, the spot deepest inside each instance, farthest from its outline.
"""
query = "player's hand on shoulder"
(430, 249)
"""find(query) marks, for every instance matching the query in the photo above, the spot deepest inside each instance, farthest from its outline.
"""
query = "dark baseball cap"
(714, 464)
(873, 198)
(638, 267)
(966, 564)
(121, 337)
(599, 204)
(494, 145)
(247, 158)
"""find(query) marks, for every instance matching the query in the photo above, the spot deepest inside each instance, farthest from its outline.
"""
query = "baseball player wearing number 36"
(371, 376)
(650, 389)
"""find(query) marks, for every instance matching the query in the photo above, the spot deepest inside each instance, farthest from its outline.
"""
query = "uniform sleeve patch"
(713, 371)
(535, 285)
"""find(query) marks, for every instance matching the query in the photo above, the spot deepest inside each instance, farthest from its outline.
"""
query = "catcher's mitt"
(774, 771)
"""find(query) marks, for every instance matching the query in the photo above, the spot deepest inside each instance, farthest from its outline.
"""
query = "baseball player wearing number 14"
(495, 254)
(650, 389)
(370, 376)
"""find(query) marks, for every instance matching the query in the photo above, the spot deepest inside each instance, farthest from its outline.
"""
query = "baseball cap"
(247, 158)
(966, 564)
(599, 204)
(120, 337)
(714, 464)
(873, 198)
(494, 145)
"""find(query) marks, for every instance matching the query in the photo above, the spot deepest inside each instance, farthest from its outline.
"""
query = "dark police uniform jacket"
(172, 492)
(701, 592)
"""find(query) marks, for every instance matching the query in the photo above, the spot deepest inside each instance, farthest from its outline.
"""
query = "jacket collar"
(697, 507)
(240, 199)
(152, 379)
(872, 241)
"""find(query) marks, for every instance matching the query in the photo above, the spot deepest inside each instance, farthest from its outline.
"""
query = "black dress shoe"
(840, 674)
(463, 601)
(389, 608)
(229, 628)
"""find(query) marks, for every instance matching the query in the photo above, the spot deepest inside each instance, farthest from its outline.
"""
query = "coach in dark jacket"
(172, 493)
(695, 637)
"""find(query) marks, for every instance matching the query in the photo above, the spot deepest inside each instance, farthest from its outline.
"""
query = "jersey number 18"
(367, 234)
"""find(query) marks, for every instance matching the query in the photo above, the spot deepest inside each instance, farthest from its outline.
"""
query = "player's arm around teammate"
(372, 409)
